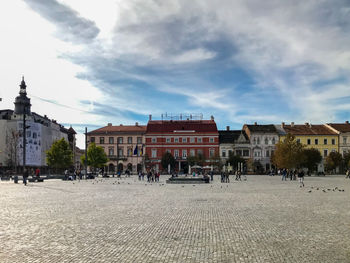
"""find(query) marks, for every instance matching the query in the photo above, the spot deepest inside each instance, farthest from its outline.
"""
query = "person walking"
(25, 176)
(301, 177)
(284, 174)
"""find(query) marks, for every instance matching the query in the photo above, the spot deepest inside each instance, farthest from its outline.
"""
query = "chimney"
(306, 124)
(121, 125)
(150, 117)
(292, 124)
(227, 128)
(347, 122)
(212, 117)
(109, 124)
(255, 123)
(136, 124)
(282, 124)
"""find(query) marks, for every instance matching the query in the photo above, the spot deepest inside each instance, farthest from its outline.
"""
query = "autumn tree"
(288, 153)
(333, 160)
(96, 157)
(60, 155)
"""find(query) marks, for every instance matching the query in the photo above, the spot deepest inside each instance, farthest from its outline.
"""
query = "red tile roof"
(201, 126)
(120, 128)
(308, 129)
(341, 127)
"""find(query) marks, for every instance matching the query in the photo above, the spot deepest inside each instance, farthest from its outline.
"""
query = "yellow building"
(316, 136)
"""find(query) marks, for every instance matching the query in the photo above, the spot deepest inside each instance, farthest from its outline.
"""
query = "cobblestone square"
(262, 219)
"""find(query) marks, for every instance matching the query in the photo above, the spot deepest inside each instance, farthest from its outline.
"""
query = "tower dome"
(22, 102)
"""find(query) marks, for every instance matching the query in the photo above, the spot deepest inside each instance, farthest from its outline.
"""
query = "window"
(211, 140)
(154, 153)
(168, 151)
(199, 140)
(308, 141)
(120, 152)
(223, 153)
(324, 141)
(110, 151)
(273, 141)
(239, 152)
(176, 153)
(267, 153)
(298, 140)
(325, 153)
(102, 140)
(229, 152)
(333, 141)
(184, 139)
(211, 153)
(139, 139)
(245, 152)
(168, 140)
(120, 139)
(92, 139)
(254, 140)
(129, 139)
(199, 151)
(154, 139)
(344, 140)
(266, 141)
(176, 140)
(316, 141)
(192, 139)
(192, 152)
(111, 140)
(184, 153)
(258, 141)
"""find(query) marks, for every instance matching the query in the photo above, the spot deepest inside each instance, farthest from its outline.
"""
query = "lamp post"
(24, 140)
(85, 161)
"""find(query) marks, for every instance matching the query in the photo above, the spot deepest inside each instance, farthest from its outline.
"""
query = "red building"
(181, 138)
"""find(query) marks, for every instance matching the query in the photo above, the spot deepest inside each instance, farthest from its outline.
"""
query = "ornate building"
(41, 132)
(123, 144)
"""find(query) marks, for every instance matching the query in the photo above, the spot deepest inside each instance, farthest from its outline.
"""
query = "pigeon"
(324, 191)
(309, 191)
(336, 188)
(183, 186)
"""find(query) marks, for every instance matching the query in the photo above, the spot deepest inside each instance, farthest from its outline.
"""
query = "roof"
(203, 126)
(341, 127)
(231, 136)
(308, 129)
(120, 128)
(263, 128)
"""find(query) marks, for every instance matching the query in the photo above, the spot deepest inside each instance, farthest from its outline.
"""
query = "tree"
(234, 160)
(12, 148)
(288, 153)
(198, 159)
(346, 160)
(312, 157)
(60, 155)
(96, 157)
(333, 160)
(215, 161)
(167, 159)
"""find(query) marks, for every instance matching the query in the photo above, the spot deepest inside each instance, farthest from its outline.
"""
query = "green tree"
(96, 157)
(346, 160)
(234, 160)
(167, 159)
(60, 155)
(288, 153)
(333, 160)
(312, 157)
(198, 159)
(215, 161)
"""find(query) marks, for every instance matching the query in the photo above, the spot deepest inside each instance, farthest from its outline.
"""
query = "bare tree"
(12, 148)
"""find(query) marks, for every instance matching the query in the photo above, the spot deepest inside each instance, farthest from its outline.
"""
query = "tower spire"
(23, 87)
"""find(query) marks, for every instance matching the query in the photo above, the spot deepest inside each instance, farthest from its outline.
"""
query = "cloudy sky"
(89, 62)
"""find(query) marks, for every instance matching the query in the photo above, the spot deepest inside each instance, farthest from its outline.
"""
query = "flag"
(135, 151)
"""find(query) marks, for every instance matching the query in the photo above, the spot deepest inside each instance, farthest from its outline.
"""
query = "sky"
(87, 63)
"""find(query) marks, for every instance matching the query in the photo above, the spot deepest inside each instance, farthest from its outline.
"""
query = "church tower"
(22, 102)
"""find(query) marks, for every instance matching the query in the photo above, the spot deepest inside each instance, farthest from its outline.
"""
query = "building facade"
(41, 132)
(343, 130)
(235, 142)
(123, 144)
(317, 136)
(181, 138)
(263, 139)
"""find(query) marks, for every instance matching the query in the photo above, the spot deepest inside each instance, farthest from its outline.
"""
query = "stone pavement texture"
(259, 220)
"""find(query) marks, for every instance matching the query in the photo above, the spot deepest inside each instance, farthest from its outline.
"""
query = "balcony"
(117, 158)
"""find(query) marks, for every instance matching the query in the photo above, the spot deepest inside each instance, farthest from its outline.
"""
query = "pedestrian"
(284, 174)
(347, 174)
(25, 176)
(301, 177)
(211, 175)
(37, 172)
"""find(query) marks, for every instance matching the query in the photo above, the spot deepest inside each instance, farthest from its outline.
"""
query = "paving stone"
(263, 219)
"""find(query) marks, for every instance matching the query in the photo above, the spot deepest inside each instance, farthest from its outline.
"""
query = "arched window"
(258, 140)
(273, 140)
